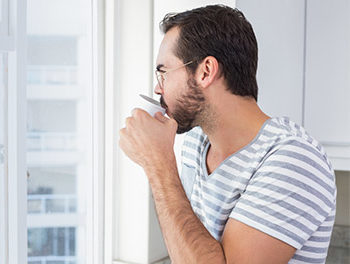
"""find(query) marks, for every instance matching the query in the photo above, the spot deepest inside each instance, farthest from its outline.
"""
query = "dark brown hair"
(224, 33)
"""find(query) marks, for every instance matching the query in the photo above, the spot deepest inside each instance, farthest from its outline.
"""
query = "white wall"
(132, 39)
(279, 29)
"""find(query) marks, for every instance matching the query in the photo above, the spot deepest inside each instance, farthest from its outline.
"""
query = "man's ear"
(207, 71)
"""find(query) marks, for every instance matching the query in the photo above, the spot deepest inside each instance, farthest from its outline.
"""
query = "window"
(51, 152)
(57, 244)
(59, 131)
(52, 60)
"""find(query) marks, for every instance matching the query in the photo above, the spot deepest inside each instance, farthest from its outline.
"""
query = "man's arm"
(188, 241)
(186, 238)
(244, 244)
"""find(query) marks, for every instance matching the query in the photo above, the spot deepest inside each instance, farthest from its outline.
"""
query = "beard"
(189, 109)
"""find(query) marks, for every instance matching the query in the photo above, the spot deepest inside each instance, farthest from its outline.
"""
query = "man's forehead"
(166, 54)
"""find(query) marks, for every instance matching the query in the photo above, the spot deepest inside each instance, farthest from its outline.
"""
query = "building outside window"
(59, 140)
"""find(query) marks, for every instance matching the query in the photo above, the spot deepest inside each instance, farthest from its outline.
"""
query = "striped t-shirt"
(281, 183)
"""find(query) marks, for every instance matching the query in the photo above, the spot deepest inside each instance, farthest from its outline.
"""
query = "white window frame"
(111, 121)
(13, 242)
(132, 232)
(97, 222)
(16, 134)
(127, 194)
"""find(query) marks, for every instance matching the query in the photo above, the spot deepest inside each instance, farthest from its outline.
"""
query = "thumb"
(159, 116)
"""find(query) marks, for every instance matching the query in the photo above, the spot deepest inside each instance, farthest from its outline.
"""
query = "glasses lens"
(159, 79)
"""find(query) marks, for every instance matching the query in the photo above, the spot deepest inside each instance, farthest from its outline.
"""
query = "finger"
(173, 122)
(122, 133)
(137, 112)
(128, 121)
(159, 116)
(119, 135)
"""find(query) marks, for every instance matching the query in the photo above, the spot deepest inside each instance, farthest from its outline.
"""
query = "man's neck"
(235, 123)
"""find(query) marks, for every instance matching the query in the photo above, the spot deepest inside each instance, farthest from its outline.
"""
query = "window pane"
(52, 190)
(59, 137)
(57, 244)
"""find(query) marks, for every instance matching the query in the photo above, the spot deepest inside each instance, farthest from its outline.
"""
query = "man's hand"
(147, 140)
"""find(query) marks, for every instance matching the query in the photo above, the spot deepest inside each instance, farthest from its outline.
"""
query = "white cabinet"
(328, 70)
(279, 29)
(304, 67)
(327, 79)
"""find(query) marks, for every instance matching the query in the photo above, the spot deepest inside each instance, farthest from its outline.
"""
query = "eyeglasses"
(161, 75)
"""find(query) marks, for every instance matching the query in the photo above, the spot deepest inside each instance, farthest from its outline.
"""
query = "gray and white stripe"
(281, 183)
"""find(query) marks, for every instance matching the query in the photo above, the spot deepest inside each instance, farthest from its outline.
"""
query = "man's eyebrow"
(159, 66)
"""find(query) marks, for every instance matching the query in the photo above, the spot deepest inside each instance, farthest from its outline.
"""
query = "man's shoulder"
(298, 157)
(288, 133)
(296, 140)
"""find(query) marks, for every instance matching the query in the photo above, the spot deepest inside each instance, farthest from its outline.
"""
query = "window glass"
(59, 125)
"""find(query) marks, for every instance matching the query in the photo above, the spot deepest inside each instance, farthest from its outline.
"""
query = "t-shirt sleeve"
(190, 152)
(289, 196)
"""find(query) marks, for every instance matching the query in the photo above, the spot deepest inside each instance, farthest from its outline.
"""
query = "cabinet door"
(279, 29)
(327, 111)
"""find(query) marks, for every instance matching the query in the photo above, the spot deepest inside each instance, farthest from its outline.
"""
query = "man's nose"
(158, 90)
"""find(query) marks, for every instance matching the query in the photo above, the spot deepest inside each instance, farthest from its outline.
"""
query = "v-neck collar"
(206, 144)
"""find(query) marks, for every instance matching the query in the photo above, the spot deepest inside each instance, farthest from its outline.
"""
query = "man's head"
(213, 36)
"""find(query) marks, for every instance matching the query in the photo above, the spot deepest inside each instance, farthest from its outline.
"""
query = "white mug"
(150, 105)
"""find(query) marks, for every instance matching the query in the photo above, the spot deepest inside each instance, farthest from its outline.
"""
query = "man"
(253, 189)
